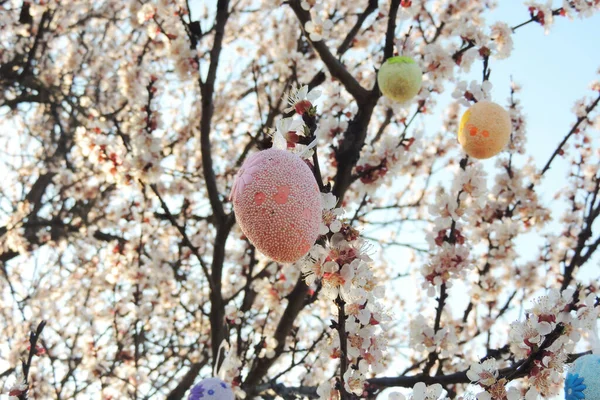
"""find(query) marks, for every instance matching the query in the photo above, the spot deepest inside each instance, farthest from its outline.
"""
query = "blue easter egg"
(583, 379)
(211, 389)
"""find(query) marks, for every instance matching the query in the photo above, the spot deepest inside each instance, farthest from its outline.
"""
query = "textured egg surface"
(277, 204)
(211, 389)
(399, 78)
(484, 129)
(583, 379)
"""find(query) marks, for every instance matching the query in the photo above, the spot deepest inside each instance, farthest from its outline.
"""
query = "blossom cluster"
(340, 269)
(318, 28)
(553, 326)
(473, 92)
(421, 392)
(450, 253)
(518, 139)
(423, 337)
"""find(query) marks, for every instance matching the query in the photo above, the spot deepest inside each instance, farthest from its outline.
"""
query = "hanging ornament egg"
(484, 129)
(399, 78)
(277, 204)
(583, 379)
(212, 389)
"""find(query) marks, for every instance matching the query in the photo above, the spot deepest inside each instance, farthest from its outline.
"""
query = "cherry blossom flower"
(423, 392)
(18, 389)
(301, 100)
(331, 215)
(318, 29)
(268, 349)
(354, 381)
(308, 4)
(474, 91)
(503, 43)
(286, 128)
(484, 373)
(542, 13)
(146, 13)
(327, 391)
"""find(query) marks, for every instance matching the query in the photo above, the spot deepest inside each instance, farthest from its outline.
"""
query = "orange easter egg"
(484, 129)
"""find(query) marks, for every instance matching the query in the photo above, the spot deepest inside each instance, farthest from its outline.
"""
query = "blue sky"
(555, 70)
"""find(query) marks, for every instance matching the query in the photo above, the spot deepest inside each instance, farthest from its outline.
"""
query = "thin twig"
(33, 339)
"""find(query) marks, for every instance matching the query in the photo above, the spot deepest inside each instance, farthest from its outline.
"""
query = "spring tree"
(124, 124)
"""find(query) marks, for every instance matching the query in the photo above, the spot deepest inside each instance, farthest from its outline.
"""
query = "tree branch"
(335, 67)
(391, 30)
(186, 382)
(33, 339)
(574, 129)
(207, 90)
(371, 6)
(295, 305)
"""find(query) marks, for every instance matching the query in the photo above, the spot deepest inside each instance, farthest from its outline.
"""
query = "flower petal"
(544, 328)
(313, 95)
(419, 391)
(473, 376)
(302, 92)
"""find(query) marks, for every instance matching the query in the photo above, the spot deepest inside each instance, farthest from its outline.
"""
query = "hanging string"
(227, 363)
(216, 368)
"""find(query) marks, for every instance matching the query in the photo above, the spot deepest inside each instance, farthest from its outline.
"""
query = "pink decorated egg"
(277, 204)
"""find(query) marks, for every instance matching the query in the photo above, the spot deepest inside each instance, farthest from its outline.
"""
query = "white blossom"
(318, 29)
